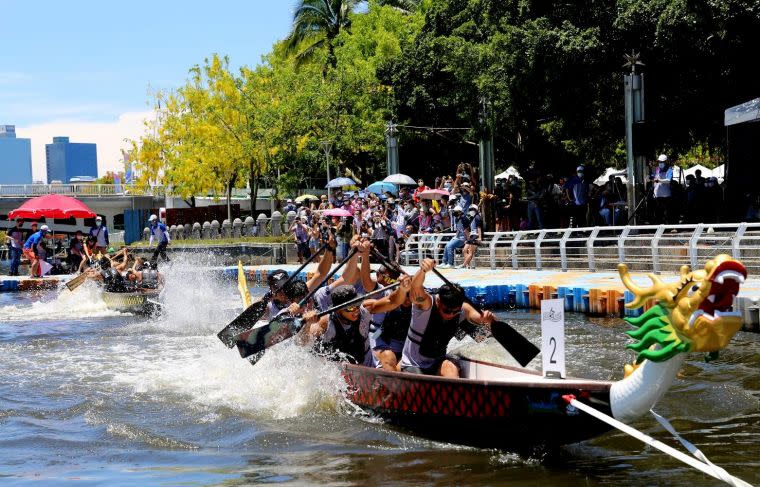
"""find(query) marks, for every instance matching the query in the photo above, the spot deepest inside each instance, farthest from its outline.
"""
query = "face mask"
(471, 213)
(97, 224)
(420, 184)
(662, 165)
(580, 175)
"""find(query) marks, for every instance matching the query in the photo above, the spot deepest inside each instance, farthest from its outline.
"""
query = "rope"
(700, 465)
(719, 472)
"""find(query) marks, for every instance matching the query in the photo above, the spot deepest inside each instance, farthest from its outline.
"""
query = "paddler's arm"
(367, 282)
(475, 317)
(420, 298)
(313, 327)
(350, 274)
(324, 265)
(393, 300)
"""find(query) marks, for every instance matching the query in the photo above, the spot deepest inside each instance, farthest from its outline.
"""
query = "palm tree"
(316, 24)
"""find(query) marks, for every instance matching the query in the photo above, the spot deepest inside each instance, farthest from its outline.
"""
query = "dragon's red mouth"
(725, 281)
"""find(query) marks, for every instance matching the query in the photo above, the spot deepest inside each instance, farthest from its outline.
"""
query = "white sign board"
(553, 337)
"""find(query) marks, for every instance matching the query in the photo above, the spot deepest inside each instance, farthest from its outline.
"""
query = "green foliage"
(544, 76)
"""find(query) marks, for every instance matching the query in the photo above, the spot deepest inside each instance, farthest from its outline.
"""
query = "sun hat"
(44, 228)
(151, 219)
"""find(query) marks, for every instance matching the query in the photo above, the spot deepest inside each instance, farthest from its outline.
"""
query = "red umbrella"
(52, 206)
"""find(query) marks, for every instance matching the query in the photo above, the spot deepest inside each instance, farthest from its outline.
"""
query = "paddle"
(517, 345)
(79, 280)
(248, 318)
(282, 327)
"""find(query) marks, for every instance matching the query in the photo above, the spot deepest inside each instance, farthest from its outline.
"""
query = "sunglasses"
(351, 309)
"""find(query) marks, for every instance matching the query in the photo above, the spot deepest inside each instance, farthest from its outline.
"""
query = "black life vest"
(438, 334)
(149, 279)
(113, 280)
(349, 342)
(396, 324)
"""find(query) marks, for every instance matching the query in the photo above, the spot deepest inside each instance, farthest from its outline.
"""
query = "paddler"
(387, 341)
(435, 321)
(344, 333)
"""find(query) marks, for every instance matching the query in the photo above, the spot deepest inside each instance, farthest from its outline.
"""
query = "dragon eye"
(693, 289)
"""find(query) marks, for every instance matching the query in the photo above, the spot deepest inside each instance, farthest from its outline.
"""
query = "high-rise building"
(66, 160)
(15, 157)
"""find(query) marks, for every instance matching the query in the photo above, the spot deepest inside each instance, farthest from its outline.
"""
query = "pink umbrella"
(339, 212)
(52, 206)
(433, 194)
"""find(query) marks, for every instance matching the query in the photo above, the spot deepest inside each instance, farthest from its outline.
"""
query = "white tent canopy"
(511, 171)
(611, 171)
(706, 172)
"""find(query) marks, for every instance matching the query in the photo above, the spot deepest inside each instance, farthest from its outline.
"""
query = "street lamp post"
(327, 147)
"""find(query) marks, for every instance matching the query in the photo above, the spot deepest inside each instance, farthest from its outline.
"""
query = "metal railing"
(648, 248)
(72, 189)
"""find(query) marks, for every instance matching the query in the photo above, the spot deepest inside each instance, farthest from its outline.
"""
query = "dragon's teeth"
(720, 278)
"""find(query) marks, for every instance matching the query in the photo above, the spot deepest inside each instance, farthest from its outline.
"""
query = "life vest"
(349, 342)
(149, 279)
(114, 282)
(437, 336)
(396, 324)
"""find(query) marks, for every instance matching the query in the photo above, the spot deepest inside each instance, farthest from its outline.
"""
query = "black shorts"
(433, 369)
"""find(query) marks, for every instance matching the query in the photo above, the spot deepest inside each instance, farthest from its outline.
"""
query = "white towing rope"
(700, 463)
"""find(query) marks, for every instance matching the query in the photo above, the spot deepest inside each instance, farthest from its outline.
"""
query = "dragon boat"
(515, 408)
(141, 301)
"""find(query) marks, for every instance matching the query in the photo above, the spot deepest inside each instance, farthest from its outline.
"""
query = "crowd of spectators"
(536, 202)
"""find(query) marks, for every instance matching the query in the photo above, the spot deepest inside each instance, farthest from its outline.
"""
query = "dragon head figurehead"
(694, 314)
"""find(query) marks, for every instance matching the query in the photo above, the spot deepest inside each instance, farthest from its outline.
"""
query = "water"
(98, 397)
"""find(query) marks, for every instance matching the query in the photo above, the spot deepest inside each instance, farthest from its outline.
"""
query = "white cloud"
(109, 137)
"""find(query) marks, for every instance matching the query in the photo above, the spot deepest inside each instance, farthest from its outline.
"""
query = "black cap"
(277, 278)
(343, 294)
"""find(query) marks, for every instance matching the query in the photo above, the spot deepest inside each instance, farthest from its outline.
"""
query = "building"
(66, 160)
(15, 157)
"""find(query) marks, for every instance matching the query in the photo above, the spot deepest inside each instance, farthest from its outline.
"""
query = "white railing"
(650, 248)
(72, 189)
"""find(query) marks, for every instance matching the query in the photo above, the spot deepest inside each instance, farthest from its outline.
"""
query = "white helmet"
(152, 218)
(44, 228)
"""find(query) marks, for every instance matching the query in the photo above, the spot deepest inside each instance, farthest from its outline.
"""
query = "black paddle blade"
(258, 339)
(244, 322)
(517, 345)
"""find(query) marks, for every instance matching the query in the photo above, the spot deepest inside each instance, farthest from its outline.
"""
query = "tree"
(316, 24)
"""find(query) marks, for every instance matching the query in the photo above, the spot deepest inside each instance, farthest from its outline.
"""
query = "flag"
(245, 294)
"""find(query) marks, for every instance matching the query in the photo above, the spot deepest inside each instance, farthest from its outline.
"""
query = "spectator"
(15, 238)
(474, 237)
(100, 232)
(301, 237)
(662, 176)
(457, 242)
(419, 189)
(577, 192)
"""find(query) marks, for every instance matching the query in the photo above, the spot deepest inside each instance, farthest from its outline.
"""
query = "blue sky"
(85, 68)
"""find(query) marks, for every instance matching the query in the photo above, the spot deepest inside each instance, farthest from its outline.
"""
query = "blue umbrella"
(340, 182)
(380, 187)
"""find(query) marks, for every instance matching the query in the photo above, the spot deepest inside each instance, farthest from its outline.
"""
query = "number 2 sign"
(553, 337)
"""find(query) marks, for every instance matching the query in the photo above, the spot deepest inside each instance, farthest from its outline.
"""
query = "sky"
(85, 69)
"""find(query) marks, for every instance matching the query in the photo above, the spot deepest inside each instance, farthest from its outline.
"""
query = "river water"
(91, 396)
